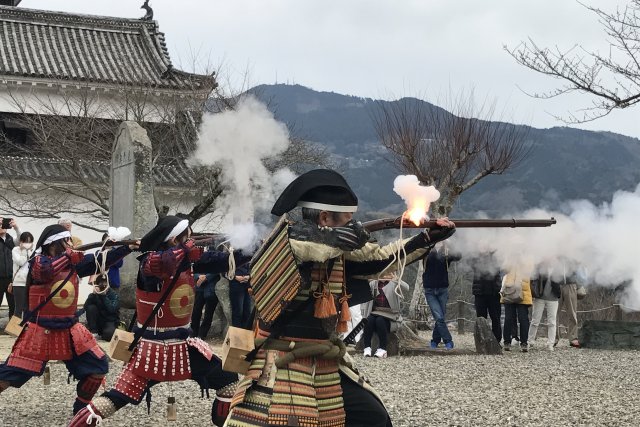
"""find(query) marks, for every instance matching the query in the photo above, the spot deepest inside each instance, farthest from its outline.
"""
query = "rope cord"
(101, 268)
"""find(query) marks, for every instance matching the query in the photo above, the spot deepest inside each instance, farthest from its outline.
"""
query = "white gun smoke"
(598, 243)
(238, 141)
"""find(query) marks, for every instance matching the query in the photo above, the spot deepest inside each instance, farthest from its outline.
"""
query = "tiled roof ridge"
(54, 160)
(50, 17)
(90, 48)
(168, 175)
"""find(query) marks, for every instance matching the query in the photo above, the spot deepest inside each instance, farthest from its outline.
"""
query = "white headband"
(58, 236)
(326, 207)
(179, 228)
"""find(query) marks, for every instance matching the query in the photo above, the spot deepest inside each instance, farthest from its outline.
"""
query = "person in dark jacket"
(205, 297)
(240, 299)
(103, 312)
(6, 263)
(486, 291)
(435, 280)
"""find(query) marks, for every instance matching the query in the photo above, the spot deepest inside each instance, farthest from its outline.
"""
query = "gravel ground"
(540, 388)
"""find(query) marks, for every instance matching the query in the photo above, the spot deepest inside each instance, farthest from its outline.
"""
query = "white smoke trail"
(238, 141)
(599, 243)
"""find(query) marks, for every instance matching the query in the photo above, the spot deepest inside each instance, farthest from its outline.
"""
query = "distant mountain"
(565, 163)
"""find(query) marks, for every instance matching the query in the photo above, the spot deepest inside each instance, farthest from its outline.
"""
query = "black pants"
(489, 306)
(201, 330)
(20, 299)
(511, 312)
(4, 285)
(378, 325)
(240, 305)
(361, 407)
(97, 324)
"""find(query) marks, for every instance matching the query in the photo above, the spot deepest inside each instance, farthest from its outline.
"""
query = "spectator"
(205, 298)
(240, 298)
(6, 262)
(103, 310)
(435, 280)
(486, 292)
(20, 255)
(569, 301)
(516, 297)
(383, 313)
(66, 223)
(546, 295)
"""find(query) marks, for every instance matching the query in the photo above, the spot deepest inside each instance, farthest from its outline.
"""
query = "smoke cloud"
(597, 243)
(238, 141)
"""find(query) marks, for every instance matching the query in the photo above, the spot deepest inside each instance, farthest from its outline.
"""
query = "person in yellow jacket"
(516, 297)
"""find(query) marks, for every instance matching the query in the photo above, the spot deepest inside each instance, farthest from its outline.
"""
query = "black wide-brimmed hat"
(322, 189)
(168, 228)
(51, 234)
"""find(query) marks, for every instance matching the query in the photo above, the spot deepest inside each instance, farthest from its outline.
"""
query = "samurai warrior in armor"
(165, 352)
(52, 331)
(303, 279)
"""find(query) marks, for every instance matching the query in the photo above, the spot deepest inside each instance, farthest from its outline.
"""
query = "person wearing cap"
(52, 331)
(165, 352)
(299, 373)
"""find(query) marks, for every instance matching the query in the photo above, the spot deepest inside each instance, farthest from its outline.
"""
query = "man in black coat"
(486, 291)
(6, 263)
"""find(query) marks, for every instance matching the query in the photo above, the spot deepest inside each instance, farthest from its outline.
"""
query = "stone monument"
(131, 196)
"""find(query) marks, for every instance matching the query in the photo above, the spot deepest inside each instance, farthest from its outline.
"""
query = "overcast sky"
(380, 48)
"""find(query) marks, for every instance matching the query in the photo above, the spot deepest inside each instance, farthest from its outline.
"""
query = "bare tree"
(612, 78)
(452, 150)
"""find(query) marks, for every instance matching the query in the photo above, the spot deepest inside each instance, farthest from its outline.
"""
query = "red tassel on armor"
(345, 314)
(325, 305)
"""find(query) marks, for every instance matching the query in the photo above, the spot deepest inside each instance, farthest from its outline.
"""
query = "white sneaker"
(381, 353)
(550, 347)
(367, 352)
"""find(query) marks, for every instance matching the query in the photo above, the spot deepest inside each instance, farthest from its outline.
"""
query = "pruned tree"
(452, 150)
(612, 79)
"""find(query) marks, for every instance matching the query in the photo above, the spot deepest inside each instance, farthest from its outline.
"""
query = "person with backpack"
(516, 298)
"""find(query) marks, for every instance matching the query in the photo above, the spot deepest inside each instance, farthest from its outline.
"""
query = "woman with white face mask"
(21, 254)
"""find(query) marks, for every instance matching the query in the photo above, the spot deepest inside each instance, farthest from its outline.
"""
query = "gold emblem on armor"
(181, 301)
(65, 297)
